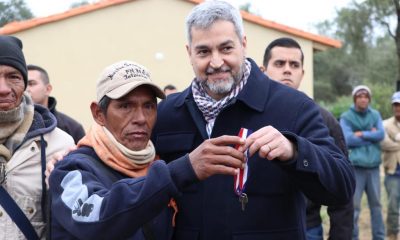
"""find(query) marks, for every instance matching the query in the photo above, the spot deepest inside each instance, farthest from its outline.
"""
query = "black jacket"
(66, 123)
(210, 209)
(340, 216)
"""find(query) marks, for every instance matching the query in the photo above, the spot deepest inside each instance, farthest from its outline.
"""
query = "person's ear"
(189, 54)
(97, 114)
(49, 88)
(188, 50)
(244, 42)
(263, 69)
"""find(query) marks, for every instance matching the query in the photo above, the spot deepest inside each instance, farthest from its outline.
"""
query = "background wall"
(151, 32)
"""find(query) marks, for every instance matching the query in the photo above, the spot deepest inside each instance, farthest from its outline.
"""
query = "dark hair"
(103, 104)
(281, 42)
(43, 73)
(169, 87)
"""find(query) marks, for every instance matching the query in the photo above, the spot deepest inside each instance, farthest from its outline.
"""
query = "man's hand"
(58, 156)
(270, 144)
(215, 156)
(358, 133)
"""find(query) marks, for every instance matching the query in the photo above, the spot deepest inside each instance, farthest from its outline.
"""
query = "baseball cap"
(396, 97)
(361, 89)
(122, 77)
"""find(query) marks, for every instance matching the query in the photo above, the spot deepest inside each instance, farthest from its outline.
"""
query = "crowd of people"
(240, 153)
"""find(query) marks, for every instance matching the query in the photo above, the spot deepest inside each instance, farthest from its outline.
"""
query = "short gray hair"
(207, 13)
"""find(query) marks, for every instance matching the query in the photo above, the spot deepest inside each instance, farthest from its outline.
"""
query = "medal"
(241, 178)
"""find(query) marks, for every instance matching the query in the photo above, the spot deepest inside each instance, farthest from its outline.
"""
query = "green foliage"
(335, 72)
(79, 4)
(382, 62)
(381, 95)
(14, 10)
(368, 56)
(382, 12)
(340, 105)
(381, 98)
(245, 7)
(324, 91)
(353, 26)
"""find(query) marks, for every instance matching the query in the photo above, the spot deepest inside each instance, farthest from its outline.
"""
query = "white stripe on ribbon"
(241, 178)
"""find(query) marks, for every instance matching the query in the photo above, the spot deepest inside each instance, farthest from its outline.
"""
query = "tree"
(245, 7)
(382, 62)
(368, 55)
(14, 10)
(361, 24)
(361, 28)
(385, 12)
(79, 4)
(334, 69)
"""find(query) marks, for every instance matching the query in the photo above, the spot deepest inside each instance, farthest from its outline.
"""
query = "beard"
(222, 86)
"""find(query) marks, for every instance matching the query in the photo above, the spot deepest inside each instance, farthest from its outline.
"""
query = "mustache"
(211, 70)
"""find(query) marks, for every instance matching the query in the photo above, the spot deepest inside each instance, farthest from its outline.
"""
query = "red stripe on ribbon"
(241, 178)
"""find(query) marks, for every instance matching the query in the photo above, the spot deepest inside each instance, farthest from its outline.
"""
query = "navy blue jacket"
(65, 122)
(340, 216)
(276, 206)
(89, 202)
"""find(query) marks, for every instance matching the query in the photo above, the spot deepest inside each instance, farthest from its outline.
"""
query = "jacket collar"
(254, 94)
(43, 122)
(52, 102)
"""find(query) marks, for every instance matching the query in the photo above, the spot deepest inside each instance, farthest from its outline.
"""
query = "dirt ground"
(365, 218)
(364, 221)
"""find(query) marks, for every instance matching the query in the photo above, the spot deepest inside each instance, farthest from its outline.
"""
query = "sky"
(301, 14)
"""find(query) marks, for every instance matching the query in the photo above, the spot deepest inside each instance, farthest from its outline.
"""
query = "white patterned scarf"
(210, 107)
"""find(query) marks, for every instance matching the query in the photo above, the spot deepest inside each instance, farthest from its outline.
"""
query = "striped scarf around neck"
(211, 107)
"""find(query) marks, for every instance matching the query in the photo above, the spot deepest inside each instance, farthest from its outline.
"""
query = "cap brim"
(128, 87)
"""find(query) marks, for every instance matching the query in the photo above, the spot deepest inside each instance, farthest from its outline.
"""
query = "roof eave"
(320, 42)
(15, 27)
(296, 32)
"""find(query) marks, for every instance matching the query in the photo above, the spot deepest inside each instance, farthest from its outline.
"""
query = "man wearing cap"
(363, 130)
(28, 137)
(111, 187)
(391, 162)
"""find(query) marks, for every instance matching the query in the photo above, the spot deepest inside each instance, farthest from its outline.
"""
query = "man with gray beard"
(231, 96)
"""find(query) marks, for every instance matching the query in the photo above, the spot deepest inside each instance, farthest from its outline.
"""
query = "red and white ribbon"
(241, 178)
